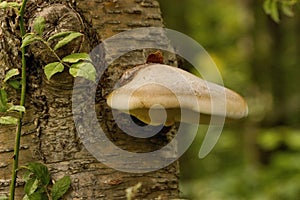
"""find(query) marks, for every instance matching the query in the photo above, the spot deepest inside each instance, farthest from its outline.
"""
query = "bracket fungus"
(160, 94)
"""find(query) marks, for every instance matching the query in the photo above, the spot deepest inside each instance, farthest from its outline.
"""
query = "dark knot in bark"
(58, 18)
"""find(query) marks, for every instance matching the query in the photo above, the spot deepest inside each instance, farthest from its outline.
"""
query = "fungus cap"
(150, 88)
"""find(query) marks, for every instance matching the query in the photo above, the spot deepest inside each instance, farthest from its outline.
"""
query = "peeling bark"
(49, 135)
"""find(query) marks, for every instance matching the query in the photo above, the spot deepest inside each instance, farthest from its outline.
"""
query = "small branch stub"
(58, 18)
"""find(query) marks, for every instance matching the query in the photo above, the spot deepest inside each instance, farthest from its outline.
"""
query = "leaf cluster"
(5, 5)
(38, 183)
(7, 108)
(37, 176)
(273, 8)
(79, 64)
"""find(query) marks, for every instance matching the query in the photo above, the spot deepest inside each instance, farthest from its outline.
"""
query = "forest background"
(258, 158)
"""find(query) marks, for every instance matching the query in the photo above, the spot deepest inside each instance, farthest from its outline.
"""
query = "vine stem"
(22, 103)
(52, 51)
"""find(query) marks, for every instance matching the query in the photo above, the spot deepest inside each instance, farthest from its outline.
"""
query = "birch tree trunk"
(49, 135)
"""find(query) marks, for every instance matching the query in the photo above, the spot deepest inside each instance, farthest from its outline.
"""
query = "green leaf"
(31, 186)
(267, 6)
(60, 187)
(287, 10)
(271, 8)
(83, 69)
(269, 139)
(53, 68)
(3, 100)
(8, 120)
(11, 73)
(40, 171)
(28, 39)
(39, 25)
(15, 84)
(27, 175)
(67, 39)
(17, 108)
(289, 2)
(38, 195)
(75, 57)
(14, 5)
(60, 34)
(3, 5)
(292, 140)
(274, 11)
(25, 197)
(4, 197)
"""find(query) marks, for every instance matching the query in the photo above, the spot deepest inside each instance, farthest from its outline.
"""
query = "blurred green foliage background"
(259, 157)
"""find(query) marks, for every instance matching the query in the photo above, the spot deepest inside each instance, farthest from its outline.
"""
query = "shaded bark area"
(49, 134)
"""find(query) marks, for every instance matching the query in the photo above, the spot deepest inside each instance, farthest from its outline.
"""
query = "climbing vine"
(38, 184)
